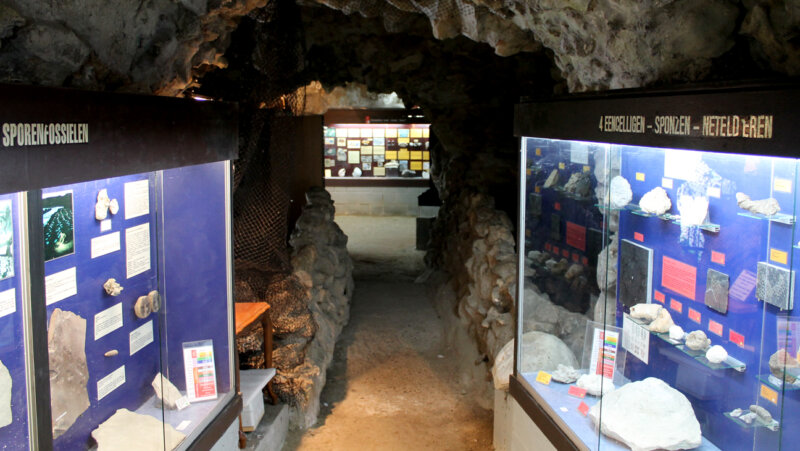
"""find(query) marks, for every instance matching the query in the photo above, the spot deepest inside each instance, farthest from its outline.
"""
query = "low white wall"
(376, 201)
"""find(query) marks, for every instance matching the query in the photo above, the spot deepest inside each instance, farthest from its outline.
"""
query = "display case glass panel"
(14, 399)
(130, 345)
(658, 288)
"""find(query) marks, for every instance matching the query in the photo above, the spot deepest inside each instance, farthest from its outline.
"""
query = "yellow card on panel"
(378, 150)
(353, 133)
(426, 155)
(416, 133)
(416, 154)
(391, 154)
(379, 171)
(366, 150)
(341, 133)
(378, 132)
(366, 133)
(402, 154)
(402, 141)
(391, 133)
(327, 172)
(426, 133)
(353, 157)
(415, 165)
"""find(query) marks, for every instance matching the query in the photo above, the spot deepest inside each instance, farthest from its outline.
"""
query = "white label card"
(183, 425)
(681, 164)
(141, 337)
(666, 183)
(713, 191)
(60, 285)
(105, 225)
(579, 155)
(137, 249)
(8, 302)
(107, 321)
(636, 339)
(137, 199)
(182, 402)
(114, 380)
(105, 244)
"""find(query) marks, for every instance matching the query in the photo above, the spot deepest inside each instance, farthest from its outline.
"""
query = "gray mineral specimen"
(766, 207)
(579, 183)
(621, 194)
(779, 362)
(565, 374)
(697, 341)
(662, 323)
(646, 312)
(552, 179)
(762, 413)
(69, 374)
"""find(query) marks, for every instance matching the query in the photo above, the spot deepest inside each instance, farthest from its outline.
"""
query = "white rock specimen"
(697, 341)
(736, 413)
(112, 287)
(648, 415)
(662, 323)
(166, 391)
(762, 413)
(104, 205)
(126, 430)
(342, 172)
(646, 312)
(655, 201)
(542, 351)
(111, 353)
(552, 179)
(593, 383)
(100, 211)
(154, 298)
(69, 374)
(357, 172)
(5, 396)
(748, 417)
(676, 332)
(573, 271)
(113, 207)
(621, 194)
(142, 307)
(716, 354)
(693, 209)
(565, 374)
(767, 207)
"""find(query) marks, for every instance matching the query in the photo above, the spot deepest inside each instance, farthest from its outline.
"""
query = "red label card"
(659, 296)
(576, 236)
(714, 327)
(678, 277)
(585, 261)
(736, 338)
(575, 257)
(557, 206)
(694, 315)
(547, 246)
(718, 257)
(638, 236)
(565, 253)
(675, 305)
(583, 408)
(577, 391)
(556, 250)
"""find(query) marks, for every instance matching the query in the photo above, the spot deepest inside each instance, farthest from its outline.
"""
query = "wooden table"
(248, 316)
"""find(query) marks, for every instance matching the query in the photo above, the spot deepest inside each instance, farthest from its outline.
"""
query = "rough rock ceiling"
(153, 45)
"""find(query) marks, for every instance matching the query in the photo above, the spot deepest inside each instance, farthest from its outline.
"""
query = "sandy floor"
(389, 387)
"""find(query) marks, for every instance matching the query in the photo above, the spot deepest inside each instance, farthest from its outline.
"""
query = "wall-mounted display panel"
(687, 288)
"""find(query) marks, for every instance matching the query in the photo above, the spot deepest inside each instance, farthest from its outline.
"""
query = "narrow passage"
(391, 383)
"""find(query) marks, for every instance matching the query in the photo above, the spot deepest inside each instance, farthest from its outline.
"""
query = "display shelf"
(571, 195)
(780, 218)
(757, 423)
(675, 219)
(777, 384)
(700, 356)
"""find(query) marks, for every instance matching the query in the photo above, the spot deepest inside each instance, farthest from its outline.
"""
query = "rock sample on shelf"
(5, 396)
(716, 354)
(646, 312)
(693, 208)
(565, 374)
(662, 323)
(579, 183)
(648, 415)
(780, 362)
(621, 194)
(594, 383)
(166, 391)
(552, 179)
(542, 351)
(126, 430)
(142, 307)
(655, 201)
(762, 413)
(697, 341)
(676, 332)
(766, 207)
(69, 374)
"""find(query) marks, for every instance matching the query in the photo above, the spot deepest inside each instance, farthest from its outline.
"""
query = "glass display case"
(116, 302)
(658, 235)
